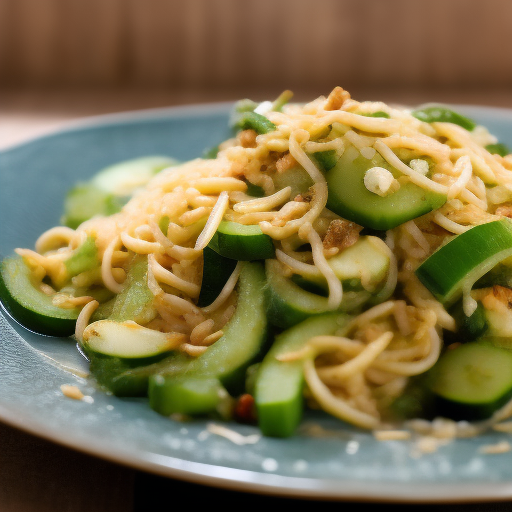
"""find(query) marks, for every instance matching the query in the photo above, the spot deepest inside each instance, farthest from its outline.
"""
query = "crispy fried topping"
(305, 197)
(247, 138)
(341, 234)
(285, 162)
(505, 210)
(336, 99)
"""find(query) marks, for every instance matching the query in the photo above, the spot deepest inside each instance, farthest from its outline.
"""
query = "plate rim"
(232, 478)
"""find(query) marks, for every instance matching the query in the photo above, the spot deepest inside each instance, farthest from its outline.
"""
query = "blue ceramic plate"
(343, 464)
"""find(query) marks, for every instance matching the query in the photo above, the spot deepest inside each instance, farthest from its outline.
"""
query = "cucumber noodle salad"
(351, 256)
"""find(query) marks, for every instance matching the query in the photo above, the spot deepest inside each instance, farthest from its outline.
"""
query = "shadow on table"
(160, 493)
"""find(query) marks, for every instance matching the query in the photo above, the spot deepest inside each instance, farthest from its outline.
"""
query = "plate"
(326, 459)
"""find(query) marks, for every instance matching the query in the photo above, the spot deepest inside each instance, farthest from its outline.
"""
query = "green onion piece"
(253, 121)
(282, 100)
(254, 190)
(498, 149)
(466, 258)
(326, 159)
(443, 115)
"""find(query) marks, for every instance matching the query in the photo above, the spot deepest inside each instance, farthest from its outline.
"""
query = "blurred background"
(62, 59)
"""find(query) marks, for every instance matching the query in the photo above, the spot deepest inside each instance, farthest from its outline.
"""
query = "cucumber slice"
(188, 395)
(123, 178)
(469, 328)
(362, 262)
(28, 305)
(288, 304)
(84, 258)
(297, 178)
(500, 275)
(497, 341)
(128, 340)
(472, 381)
(109, 190)
(278, 387)
(349, 198)
(444, 272)
(114, 348)
(86, 201)
(216, 271)
(440, 114)
(242, 243)
(135, 302)
(499, 323)
(228, 358)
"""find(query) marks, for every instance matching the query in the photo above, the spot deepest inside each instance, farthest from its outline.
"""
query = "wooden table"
(37, 475)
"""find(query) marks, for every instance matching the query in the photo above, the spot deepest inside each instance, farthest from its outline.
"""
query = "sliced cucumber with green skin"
(278, 388)
(500, 275)
(440, 114)
(188, 395)
(362, 261)
(499, 322)
(296, 178)
(472, 381)
(123, 178)
(114, 348)
(288, 303)
(243, 243)
(30, 306)
(349, 198)
(497, 341)
(86, 201)
(216, 272)
(469, 328)
(444, 272)
(228, 358)
(135, 302)
(107, 192)
(483, 322)
(83, 258)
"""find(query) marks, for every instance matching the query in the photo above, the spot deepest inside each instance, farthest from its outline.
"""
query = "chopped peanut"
(247, 138)
(505, 210)
(341, 234)
(285, 162)
(336, 99)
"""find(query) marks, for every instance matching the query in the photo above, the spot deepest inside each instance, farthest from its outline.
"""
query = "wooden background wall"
(268, 45)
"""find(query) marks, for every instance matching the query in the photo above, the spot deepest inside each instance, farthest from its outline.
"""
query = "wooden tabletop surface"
(37, 475)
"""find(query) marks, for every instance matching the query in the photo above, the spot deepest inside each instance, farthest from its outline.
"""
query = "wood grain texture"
(214, 44)
(36, 475)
